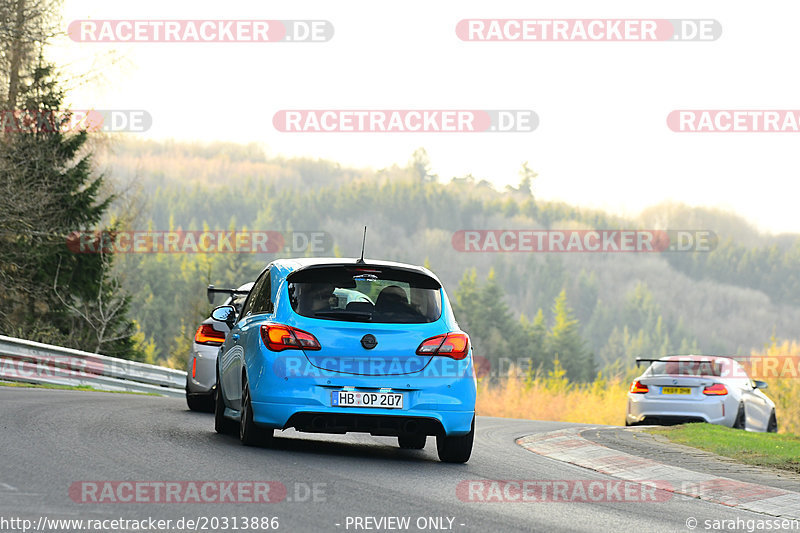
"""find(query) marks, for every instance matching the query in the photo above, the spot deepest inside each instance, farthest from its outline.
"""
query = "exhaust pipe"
(410, 426)
(318, 422)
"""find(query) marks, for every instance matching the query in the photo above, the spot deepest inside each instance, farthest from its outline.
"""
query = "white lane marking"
(9, 490)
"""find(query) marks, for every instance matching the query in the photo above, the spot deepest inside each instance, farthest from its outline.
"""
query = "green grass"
(68, 387)
(763, 449)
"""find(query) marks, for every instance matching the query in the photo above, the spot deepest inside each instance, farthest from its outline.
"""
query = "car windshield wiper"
(343, 314)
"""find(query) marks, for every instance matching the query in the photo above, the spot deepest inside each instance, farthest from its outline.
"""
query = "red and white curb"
(569, 446)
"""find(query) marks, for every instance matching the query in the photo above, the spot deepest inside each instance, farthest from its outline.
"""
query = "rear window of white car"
(688, 368)
(365, 294)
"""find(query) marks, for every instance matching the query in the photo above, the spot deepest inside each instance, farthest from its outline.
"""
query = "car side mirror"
(760, 384)
(226, 314)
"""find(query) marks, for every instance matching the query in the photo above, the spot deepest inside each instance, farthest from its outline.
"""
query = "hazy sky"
(602, 140)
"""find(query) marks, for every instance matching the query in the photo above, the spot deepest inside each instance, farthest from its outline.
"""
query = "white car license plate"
(382, 400)
(676, 390)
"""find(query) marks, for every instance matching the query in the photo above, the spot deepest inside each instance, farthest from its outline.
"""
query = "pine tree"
(49, 194)
(566, 344)
(482, 312)
(533, 341)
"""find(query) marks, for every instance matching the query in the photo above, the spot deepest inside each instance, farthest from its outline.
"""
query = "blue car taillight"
(279, 337)
(453, 345)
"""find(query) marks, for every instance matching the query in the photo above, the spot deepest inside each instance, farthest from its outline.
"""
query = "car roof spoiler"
(348, 271)
(212, 291)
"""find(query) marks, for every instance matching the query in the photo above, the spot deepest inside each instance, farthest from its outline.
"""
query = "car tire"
(249, 433)
(222, 424)
(201, 402)
(194, 402)
(772, 425)
(741, 418)
(455, 449)
(412, 441)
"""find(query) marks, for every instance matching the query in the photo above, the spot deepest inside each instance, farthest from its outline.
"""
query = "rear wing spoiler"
(640, 360)
(212, 291)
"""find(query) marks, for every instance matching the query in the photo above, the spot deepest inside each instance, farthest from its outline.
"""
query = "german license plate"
(676, 390)
(381, 400)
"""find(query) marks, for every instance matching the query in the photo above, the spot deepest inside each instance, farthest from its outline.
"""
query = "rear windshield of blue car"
(365, 294)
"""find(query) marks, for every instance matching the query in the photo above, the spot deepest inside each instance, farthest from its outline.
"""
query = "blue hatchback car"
(344, 345)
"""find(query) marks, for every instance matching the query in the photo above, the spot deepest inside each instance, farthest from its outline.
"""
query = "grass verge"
(67, 387)
(762, 449)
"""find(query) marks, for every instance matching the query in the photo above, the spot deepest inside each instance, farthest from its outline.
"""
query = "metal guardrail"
(34, 362)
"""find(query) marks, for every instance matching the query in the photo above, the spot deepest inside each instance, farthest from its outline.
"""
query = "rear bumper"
(204, 361)
(644, 410)
(665, 420)
(439, 405)
(383, 424)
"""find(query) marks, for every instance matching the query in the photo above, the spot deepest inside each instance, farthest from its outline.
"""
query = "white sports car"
(693, 388)
(201, 372)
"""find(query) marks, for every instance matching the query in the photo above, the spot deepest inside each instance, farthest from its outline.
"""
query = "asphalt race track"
(52, 440)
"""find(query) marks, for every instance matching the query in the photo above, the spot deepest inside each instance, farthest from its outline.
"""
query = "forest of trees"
(592, 311)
